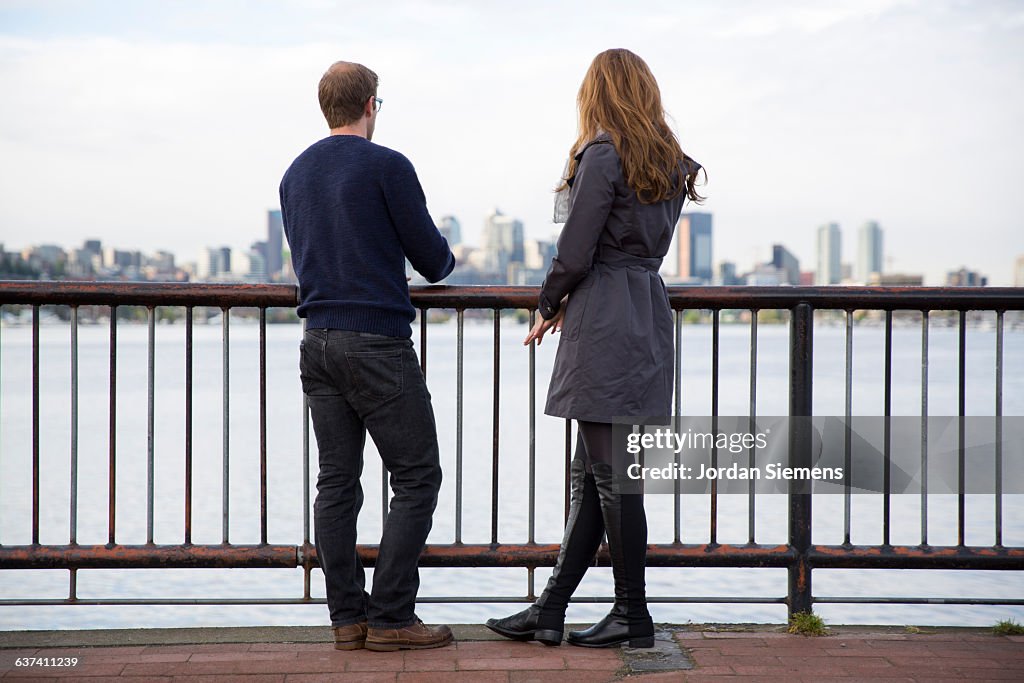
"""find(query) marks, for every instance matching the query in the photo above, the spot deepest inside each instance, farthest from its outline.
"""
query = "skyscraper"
(451, 230)
(784, 260)
(503, 241)
(829, 252)
(869, 251)
(275, 232)
(214, 262)
(965, 278)
(694, 246)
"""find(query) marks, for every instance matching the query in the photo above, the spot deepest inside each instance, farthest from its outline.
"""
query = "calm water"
(285, 509)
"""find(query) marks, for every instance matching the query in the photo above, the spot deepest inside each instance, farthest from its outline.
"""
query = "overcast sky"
(158, 125)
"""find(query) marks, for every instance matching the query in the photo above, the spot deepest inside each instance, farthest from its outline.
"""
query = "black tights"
(597, 442)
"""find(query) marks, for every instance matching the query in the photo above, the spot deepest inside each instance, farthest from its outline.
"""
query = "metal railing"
(799, 555)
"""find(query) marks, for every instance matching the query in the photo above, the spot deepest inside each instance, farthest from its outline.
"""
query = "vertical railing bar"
(188, 425)
(35, 424)
(801, 373)
(423, 342)
(751, 457)
(533, 441)
(1, 411)
(494, 422)
(150, 416)
(305, 475)
(384, 497)
(225, 418)
(423, 369)
(961, 411)
(112, 436)
(73, 536)
(72, 583)
(458, 424)
(568, 464)
(924, 427)
(847, 436)
(677, 503)
(714, 425)
(999, 430)
(886, 444)
(263, 425)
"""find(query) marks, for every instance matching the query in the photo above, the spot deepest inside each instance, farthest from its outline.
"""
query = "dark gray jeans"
(356, 383)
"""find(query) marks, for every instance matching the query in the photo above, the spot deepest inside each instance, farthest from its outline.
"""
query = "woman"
(623, 190)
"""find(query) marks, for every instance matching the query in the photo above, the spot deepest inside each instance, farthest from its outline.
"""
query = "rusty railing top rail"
(849, 297)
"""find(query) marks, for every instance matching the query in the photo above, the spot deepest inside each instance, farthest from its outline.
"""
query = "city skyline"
(143, 122)
(505, 257)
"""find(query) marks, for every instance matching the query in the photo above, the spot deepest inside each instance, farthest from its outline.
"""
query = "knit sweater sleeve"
(423, 244)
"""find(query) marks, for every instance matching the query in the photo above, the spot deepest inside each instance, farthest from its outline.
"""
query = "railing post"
(800, 393)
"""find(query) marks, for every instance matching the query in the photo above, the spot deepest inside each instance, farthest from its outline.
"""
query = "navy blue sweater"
(353, 211)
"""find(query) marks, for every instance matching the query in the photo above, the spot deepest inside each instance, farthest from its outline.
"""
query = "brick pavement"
(762, 653)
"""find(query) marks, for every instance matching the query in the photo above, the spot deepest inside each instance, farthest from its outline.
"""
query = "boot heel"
(549, 637)
(643, 641)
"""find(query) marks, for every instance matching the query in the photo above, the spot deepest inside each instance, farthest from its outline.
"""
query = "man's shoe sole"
(393, 647)
(349, 644)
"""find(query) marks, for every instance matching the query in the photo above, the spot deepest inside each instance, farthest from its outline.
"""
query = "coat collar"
(600, 137)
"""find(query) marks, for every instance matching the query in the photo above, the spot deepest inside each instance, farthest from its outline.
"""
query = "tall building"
(537, 254)
(829, 252)
(965, 278)
(869, 251)
(694, 247)
(503, 241)
(275, 233)
(257, 267)
(451, 230)
(766, 275)
(162, 261)
(116, 259)
(214, 262)
(784, 260)
(727, 273)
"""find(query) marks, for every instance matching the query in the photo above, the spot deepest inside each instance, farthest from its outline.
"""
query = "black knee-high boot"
(544, 620)
(626, 525)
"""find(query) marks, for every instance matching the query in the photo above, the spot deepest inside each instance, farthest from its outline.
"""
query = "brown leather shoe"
(350, 637)
(418, 636)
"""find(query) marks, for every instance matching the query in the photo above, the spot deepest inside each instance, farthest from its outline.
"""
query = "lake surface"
(285, 504)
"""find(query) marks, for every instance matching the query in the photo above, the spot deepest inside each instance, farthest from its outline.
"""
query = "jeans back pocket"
(376, 374)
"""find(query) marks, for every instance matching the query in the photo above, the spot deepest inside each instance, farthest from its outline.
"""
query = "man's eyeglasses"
(377, 103)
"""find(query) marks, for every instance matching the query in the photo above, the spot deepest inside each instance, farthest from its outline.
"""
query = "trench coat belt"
(618, 258)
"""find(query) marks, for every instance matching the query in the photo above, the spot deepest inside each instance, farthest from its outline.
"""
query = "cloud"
(177, 138)
(807, 17)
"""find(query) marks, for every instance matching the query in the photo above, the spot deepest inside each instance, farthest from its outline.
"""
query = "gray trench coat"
(614, 357)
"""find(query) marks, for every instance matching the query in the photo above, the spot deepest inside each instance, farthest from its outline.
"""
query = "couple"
(353, 213)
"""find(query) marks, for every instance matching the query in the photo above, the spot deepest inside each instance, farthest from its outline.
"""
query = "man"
(353, 212)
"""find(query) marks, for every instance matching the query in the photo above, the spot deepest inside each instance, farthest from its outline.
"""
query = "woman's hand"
(541, 327)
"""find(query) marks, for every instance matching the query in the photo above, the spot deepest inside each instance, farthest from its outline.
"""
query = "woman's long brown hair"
(620, 96)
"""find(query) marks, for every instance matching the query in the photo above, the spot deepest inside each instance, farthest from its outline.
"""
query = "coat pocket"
(575, 311)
